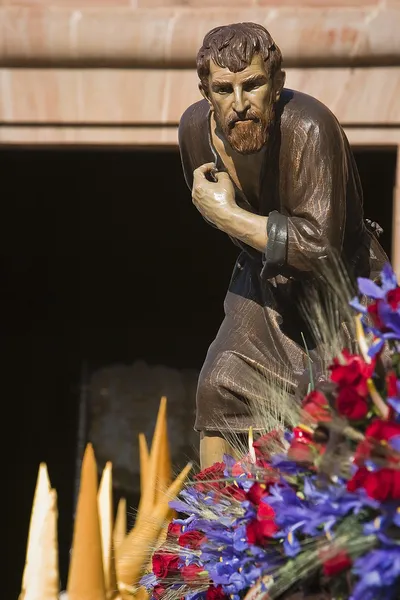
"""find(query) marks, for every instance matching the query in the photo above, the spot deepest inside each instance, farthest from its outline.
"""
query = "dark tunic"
(310, 191)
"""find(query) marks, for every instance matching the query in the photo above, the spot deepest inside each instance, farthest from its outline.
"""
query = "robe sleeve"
(313, 215)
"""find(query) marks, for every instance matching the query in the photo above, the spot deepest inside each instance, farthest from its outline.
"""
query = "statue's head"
(240, 73)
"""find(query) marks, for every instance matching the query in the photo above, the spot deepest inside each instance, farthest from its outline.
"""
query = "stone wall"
(123, 401)
(167, 33)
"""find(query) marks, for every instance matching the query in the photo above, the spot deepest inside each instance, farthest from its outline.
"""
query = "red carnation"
(259, 532)
(256, 492)
(363, 452)
(191, 573)
(209, 477)
(165, 564)
(373, 311)
(393, 298)
(299, 452)
(174, 529)
(264, 527)
(351, 405)
(262, 446)
(216, 593)
(239, 468)
(302, 447)
(191, 539)
(392, 384)
(382, 430)
(232, 491)
(316, 406)
(302, 435)
(336, 564)
(354, 373)
(158, 591)
(381, 485)
(358, 479)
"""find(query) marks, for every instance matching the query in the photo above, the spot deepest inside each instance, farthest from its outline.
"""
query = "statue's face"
(243, 103)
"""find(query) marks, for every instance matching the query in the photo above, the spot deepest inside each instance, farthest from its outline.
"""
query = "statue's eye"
(226, 89)
(252, 85)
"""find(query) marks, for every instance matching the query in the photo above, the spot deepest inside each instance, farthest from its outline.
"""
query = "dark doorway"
(104, 259)
(377, 170)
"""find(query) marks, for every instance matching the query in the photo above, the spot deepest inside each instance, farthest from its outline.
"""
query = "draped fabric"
(311, 193)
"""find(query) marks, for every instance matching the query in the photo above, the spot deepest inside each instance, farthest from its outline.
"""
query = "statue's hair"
(234, 46)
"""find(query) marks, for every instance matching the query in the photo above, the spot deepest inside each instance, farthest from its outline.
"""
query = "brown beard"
(246, 136)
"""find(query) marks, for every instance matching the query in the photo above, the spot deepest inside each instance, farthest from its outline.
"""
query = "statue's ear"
(279, 82)
(204, 93)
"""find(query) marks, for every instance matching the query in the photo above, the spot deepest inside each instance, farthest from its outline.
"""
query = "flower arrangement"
(315, 508)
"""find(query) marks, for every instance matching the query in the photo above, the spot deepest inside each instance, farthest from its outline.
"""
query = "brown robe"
(311, 192)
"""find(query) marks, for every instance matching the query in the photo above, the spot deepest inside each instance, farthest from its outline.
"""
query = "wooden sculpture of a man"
(271, 168)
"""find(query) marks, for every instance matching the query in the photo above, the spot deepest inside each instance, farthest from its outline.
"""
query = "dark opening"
(104, 259)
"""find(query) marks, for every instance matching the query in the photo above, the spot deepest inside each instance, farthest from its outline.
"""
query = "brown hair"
(233, 47)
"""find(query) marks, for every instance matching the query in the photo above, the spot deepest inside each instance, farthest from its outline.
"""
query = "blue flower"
(387, 312)
(291, 545)
(195, 596)
(378, 574)
(370, 289)
(148, 581)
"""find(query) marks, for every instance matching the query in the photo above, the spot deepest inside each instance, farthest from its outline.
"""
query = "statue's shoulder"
(193, 136)
(302, 110)
(193, 123)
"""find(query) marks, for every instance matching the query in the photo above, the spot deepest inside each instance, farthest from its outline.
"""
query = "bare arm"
(216, 202)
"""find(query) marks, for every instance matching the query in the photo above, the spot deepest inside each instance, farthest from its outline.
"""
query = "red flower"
(165, 564)
(174, 529)
(256, 492)
(391, 384)
(316, 406)
(302, 435)
(373, 311)
(302, 447)
(351, 405)
(382, 430)
(301, 452)
(158, 591)
(260, 530)
(381, 485)
(232, 491)
(210, 476)
(191, 573)
(393, 298)
(336, 564)
(265, 512)
(238, 469)
(191, 539)
(262, 446)
(358, 479)
(354, 373)
(216, 593)
(363, 452)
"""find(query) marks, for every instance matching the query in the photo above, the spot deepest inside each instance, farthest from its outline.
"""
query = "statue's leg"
(213, 446)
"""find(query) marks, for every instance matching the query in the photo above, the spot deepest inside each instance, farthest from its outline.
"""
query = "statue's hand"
(215, 200)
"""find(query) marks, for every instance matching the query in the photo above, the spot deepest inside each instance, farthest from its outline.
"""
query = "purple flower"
(384, 310)
(291, 545)
(370, 289)
(148, 581)
(291, 467)
(394, 442)
(388, 278)
(378, 574)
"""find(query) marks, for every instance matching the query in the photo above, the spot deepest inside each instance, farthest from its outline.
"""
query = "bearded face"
(243, 104)
(247, 134)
